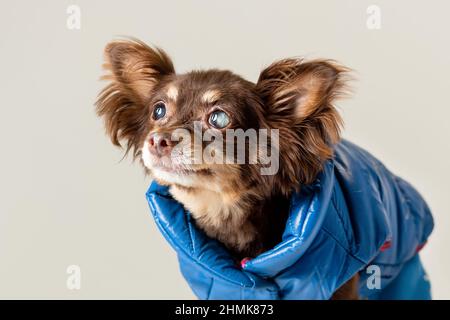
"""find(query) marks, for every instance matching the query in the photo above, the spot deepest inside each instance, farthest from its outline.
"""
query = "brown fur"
(233, 203)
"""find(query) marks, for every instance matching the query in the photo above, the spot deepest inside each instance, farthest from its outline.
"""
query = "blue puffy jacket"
(356, 217)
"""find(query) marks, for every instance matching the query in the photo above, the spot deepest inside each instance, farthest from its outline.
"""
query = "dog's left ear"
(300, 88)
(298, 98)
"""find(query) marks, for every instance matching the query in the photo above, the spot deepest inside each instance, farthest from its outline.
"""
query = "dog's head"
(182, 125)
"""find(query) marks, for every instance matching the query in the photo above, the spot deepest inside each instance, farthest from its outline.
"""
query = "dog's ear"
(298, 98)
(134, 70)
(300, 88)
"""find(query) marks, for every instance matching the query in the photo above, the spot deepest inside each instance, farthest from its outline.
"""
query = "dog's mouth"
(173, 164)
(175, 175)
(182, 170)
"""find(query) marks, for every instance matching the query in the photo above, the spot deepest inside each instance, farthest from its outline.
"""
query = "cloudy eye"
(159, 111)
(219, 119)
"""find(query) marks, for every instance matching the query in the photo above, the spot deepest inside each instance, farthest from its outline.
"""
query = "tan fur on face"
(211, 96)
(172, 92)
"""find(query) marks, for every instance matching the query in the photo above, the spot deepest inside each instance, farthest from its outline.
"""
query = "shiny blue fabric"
(355, 215)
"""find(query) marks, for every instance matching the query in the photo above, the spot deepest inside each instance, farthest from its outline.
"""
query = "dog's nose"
(160, 143)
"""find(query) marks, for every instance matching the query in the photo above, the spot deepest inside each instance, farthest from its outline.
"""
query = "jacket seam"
(340, 245)
(208, 295)
(339, 214)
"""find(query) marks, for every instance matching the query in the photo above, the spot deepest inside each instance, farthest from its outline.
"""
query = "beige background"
(67, 199)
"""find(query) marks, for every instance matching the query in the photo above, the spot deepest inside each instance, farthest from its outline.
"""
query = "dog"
(145, 102)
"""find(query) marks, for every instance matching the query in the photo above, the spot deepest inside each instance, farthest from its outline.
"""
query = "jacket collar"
(308, 209)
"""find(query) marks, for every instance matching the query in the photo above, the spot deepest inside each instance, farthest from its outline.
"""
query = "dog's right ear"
(134, 71)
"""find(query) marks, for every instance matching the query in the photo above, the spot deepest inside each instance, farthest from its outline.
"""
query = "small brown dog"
(146, 102)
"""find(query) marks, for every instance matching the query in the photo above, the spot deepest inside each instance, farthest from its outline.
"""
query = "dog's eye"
(219, 119)
(159, 111)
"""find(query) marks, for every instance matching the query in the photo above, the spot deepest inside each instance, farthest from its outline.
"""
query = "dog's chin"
(185, 178)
